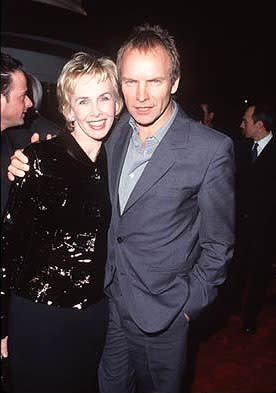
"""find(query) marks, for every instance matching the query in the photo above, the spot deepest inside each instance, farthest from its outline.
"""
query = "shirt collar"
(264, 141)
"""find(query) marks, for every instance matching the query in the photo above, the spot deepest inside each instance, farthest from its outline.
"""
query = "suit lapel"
(119, 154)
(160, 162)
(267, 149)
(266, 153)
(162, 159)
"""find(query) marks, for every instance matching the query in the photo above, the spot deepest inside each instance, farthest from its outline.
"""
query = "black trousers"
(54, 350)
(252, 271)
(134, 361)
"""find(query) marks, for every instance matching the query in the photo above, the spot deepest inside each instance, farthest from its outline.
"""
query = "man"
(14, 99)
(171, 234)
(208, 116)
(15, 103)
(256, 202)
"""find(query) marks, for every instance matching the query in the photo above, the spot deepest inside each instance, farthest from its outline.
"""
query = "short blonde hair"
(82, 64)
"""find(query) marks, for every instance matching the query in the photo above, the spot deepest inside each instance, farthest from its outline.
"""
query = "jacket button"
(119, 239)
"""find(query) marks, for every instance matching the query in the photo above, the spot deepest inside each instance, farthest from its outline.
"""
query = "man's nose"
(142, 92)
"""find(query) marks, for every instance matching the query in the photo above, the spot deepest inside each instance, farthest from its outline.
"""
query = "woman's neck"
(90, 146)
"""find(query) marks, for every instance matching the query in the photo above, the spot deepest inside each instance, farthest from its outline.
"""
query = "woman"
(54, 241)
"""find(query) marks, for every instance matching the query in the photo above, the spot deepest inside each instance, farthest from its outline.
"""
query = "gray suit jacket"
(171, 245)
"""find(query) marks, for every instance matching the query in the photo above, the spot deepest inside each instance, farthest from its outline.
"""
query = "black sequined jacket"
(54, 230)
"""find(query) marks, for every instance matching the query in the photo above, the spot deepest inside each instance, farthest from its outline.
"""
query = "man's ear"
(175, 86)
(3, 109)
(3, 100)
(259, 124)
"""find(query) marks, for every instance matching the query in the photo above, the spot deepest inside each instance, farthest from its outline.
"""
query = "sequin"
(55, 226)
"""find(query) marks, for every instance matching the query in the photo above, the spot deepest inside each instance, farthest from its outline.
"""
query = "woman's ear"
(117, 108)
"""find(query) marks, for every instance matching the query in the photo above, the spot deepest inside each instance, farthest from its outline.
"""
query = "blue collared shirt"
(138, 155)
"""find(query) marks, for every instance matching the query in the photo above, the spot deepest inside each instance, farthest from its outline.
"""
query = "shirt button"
(131, 175)
(119, 239)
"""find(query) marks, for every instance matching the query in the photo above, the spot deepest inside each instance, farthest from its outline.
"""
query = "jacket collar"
(163, 158)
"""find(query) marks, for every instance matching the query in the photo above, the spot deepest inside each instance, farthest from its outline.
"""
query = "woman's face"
(93, 108)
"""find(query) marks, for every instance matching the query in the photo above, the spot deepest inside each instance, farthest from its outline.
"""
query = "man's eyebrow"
(128, 78)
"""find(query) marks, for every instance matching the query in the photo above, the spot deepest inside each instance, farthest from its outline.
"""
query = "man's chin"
(144, 122)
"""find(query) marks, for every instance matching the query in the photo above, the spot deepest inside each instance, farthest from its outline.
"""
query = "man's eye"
(83, 102)
(130, 82)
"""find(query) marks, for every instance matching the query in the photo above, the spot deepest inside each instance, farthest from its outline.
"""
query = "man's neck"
(261, 135)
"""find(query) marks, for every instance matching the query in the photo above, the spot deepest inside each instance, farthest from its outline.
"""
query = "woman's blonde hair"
(82, 64)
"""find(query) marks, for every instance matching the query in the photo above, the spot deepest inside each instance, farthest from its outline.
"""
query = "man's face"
(147, 86)
(249, 128)
(15, 106)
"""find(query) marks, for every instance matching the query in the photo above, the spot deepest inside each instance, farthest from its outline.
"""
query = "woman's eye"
(105, 98)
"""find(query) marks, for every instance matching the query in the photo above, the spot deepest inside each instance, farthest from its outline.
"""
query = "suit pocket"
(159, 282)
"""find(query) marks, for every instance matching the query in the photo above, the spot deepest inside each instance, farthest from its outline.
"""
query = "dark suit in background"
(18, 138)
(256, 217)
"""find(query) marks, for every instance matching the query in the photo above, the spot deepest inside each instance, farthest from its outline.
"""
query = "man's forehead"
(150, 60)
(18, 80)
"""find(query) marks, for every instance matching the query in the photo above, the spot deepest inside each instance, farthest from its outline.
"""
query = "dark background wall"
(227, 50)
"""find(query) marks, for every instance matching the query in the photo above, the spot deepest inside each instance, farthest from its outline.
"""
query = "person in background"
(54, 235)
(18, 126)
(14, 105)
(34, 122)
(172, 228)
(208, 116)
(256, 213)
(14, 99)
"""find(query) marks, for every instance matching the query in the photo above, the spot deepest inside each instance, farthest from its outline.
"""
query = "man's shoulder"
(122, 121)
(44, 126)
(44, 147)
(122, 124)
(198, 132)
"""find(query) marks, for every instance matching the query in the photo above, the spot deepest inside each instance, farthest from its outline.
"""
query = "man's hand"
(19, 161)
(4, 347)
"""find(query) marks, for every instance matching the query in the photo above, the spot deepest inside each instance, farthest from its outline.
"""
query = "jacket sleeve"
(16, 231)
(216, 203)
